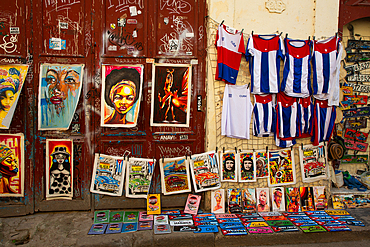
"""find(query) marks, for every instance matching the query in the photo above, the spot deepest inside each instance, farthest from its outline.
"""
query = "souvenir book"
(97, 229)
(143, 216)
(116, 216)
(160, 219)
(192, 204)
(129, 227)
(131, 216)
(153, 204)
(145, 225)
(113, 228)
(101, 216)
(162, 229)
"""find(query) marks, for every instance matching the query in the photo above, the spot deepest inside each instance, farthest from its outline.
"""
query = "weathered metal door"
(146, 32)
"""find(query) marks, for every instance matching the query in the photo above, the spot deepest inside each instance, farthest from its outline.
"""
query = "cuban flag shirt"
(230, 47)
(297, 70)
(326, 59)
(263, 54)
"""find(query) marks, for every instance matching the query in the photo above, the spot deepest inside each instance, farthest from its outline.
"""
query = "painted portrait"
(228, 167)
(247, 166)
(263, 199)
(281, 168)
(261, 164)
(59, 169)
(171, 95)
(175, 175)
(313, 162)
(11, 165)
(59, 92)
(139, 174)
(12, 79)
(278, 199)
(121, 95)
(293, 199)
(218, 201)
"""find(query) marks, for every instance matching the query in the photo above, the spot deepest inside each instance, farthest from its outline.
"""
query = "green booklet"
(101, 216)
(131, 216)
(116, 216)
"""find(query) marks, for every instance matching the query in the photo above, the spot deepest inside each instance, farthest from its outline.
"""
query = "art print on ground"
(121, 95)
(138, 177)
(175, 175)
(12, 79)
(108, 175)
(59, 169)
(218, 201)
(313, 162)
(278, 199)
(11, 165)
(171, 93)
(263, 199)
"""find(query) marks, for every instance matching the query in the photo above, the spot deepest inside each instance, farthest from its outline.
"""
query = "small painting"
(218, 201)
(262, 160)
(153, 203)
(249, 200)
(307, 202)
(247, 166)
(59, 93)
(234, 201)
(59, 169)
(175, 175)
(121, 95)
(12, 165)
(139, 174)
(281, 168)
(278, 199)
(320, 199)
(192, 204)
(171, 93)
(313, 162)
(293, 199)
(228, 169)
(263, 199)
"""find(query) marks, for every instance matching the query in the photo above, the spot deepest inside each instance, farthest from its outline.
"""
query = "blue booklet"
(114, 228)
(97, 229)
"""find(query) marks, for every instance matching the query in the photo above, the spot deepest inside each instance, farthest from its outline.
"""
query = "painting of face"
(7, 100)
(123, 99)
(59, 93)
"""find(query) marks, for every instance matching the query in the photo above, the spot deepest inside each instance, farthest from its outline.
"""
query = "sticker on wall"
(263, 199)
(278, 199)
(175, 175)
(262, 160)
(281, 168)
(12, 79)
(12, 165)
(218, 201)
(108, 175)
(57, 44)
(121, 95)
(247, 166)
(139, 174)
(227, 168)
(313, 162)
(59, 169)
(171, 95)
(59, 92)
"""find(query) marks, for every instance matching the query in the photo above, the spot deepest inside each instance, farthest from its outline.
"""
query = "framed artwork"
(263, 199)
(356, 135)
(175, 175)
(278, 199)
(293, 199)
(281, 168)
(205, 171)
(262, 160)
(249, 200)
(247, 166)
(59, 169)
(307, 202)
(108, 175)
(171, 94)
(234, 201)
(228, 169)
(12, 79)
(12, 165)
(139, 174)
(59, 91)
(218, 201)
(313, 162)
(121, 95)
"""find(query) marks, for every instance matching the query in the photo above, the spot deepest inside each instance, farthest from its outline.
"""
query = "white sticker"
(194, 61)
(55, 44)
(63, 25)
(189, 35)
(112, 48)
(134, 34)
(14, 30)
(133, 11)
(189, 53)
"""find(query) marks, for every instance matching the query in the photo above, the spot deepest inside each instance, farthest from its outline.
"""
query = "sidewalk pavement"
(71, 228)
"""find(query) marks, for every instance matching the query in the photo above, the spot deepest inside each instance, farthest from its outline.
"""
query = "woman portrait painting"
(8, 169)
(263, 200)
(121, 95)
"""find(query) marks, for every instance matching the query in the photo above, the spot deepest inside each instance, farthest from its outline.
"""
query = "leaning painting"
(59, 92)
(121, 95)
(12, 79)
(11, 165)
(171, 95)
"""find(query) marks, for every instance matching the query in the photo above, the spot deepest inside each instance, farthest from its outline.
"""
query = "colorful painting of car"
(116, 217)
(175, 181)
(162, 228)
(105, 181)
(139, 184)
(145, 224)
(204, 177)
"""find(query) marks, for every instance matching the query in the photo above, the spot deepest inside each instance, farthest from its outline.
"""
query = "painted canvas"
(59, 169)
(263, 199)
(320, 198)
(175, 175)
(247, 166)
(228, 169)
(293, 199)
(234, 201)
(218, 201)
(249, 200)
(278, 199)
(205, 171)
(59, 91)
(313, 162)
(108, 175)
(281, 168)
(307, 202)
(139, 174)
(12, 78)
(171, 93)
(12, 165)
(262, 160)
(121, 95)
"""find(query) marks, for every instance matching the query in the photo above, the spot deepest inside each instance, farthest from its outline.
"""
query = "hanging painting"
(278, 199)
(108, 175)
(175, 175)
(228, 169)
(218, 201)
(11, 165)
(281, 168)
(263, 199)
(171, 95)
(247, 166)
(59, 91)
(313, 162)
(139, 174)
(262, 161)
(12, 79)
(121, 95)
(205, 171)
(59, 169)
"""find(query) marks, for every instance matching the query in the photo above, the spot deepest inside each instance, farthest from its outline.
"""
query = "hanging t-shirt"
(264, 115)
(297, 69)
(263, 54)
(323, 122)
(230, 46)
(236, 112)
(287, 117)
(326, 59)
(305, 107)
